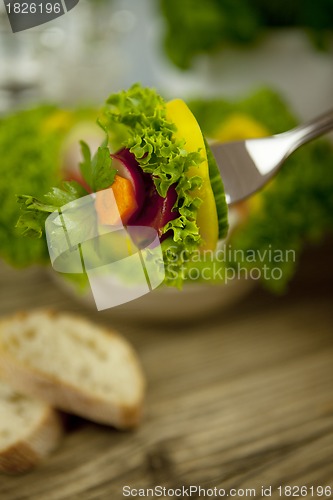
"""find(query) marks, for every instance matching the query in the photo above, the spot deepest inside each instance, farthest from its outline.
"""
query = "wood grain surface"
(239, 399)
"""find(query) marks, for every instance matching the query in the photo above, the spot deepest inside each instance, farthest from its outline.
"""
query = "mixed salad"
(31, 150)
(163, 175)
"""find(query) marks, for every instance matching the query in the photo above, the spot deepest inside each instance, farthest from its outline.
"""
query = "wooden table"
(235, 400)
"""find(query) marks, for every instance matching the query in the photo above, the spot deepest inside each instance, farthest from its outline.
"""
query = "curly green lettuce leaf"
(136, 119)
(31, 151)
(30, 158)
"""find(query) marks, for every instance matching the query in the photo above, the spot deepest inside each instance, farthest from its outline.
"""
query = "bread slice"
(29, 430)
(73, 365)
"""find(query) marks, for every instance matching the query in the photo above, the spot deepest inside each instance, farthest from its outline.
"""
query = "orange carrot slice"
(124, 195)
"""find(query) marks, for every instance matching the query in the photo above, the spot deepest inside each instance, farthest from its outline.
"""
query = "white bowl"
(170, 304)
(195, 300)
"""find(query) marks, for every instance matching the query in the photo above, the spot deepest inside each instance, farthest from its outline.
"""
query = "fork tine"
(240, 176)
(245, 166)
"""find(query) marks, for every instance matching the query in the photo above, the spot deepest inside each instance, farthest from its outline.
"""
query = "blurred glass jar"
(57, 61)
(19, 68)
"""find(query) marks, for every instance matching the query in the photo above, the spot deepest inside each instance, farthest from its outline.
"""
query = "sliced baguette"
(73, 365)
(29, 430)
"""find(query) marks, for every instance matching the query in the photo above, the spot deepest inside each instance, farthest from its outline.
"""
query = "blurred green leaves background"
(195, 27)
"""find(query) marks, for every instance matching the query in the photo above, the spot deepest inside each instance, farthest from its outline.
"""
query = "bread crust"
(26, 453)
(65, 396)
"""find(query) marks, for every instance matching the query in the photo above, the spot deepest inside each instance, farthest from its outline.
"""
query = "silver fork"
(246, 166)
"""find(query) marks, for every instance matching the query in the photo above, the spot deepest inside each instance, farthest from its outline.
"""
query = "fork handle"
(312, 129)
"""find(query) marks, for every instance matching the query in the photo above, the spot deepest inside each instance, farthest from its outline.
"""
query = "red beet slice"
(154, 211)
(157, 211)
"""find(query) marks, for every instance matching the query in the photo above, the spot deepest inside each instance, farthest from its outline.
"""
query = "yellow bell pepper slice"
(188, 129)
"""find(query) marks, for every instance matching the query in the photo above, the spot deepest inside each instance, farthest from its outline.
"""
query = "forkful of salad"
(155, 170)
